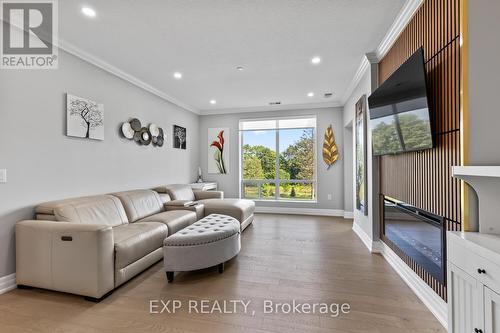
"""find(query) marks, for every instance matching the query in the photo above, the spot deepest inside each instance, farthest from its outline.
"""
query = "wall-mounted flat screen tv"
(400, 118)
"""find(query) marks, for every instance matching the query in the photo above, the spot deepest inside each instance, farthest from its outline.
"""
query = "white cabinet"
(491, 311)
(465, 301)
(473, 282)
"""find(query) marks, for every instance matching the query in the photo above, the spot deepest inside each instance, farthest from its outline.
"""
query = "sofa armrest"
(200, 195)
(198, 208)
(63, 256)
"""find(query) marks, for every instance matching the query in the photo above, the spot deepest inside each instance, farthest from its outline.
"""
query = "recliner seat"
(147, 206)
(91, 245)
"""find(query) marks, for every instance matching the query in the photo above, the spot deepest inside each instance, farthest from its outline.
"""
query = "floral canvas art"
(218, 152)
(361, 157)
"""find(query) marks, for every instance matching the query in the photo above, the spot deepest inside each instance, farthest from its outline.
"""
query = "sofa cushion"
(47, 208)
(164, 198)
(135, 240)
(139, 204)
(101, 209)
(240, 209)
(175, 220)
(177, 191)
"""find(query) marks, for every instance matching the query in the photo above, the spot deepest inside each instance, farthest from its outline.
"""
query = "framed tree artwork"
(84, 118)
(179, 139)
(218, 150)
(361, 156)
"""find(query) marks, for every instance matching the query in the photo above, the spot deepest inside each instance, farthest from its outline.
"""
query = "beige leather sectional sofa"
(211, 202)
(91, 245)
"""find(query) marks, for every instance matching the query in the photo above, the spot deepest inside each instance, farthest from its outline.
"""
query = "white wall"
(484, 82)
(43, 164)
(329, 181)
(369, 224)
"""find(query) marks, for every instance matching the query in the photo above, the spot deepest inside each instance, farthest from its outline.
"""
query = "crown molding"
(405, 15)
(372, 58)
(402, 19)
(267, 108)
(363, 66)
(90, 58)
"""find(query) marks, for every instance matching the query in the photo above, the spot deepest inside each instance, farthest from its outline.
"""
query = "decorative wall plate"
(136, 124)
(137, 137)
(145, 136)
(153, 129)
(127, 131)
(159, 141)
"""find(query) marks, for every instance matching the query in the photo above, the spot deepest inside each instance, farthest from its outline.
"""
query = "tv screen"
(399, 110)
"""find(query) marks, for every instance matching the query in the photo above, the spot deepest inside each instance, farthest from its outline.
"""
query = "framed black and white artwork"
(84, 118)
(179, 137)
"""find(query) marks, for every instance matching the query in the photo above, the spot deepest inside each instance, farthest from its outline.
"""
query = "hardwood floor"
(309, 259)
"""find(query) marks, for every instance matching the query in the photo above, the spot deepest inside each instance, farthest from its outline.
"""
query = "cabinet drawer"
(478, 267)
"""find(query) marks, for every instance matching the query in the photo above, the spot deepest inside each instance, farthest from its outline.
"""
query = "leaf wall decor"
(330, 151)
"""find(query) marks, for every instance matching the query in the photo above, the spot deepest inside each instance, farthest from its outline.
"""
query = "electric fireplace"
(418, 234)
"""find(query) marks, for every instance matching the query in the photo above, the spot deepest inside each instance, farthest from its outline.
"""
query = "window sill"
(285, 201)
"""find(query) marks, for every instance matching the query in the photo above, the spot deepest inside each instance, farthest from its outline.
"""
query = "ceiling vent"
(274, 103)
(328, 95)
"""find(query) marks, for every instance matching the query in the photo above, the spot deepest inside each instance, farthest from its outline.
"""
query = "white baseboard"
(7, 283)
(300, 211)
(348, 215)
(367, 240)
(434, 303)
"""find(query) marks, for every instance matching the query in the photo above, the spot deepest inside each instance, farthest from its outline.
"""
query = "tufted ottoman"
(211, 241)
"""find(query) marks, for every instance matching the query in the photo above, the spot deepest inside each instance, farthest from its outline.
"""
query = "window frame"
(277, 181)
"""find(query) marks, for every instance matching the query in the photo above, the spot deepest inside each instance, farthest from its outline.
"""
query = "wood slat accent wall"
(423, 179)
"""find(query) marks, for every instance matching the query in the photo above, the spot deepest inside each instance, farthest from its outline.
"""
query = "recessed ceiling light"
(213, 101)
(178, 75)
(87, 11)
(311, 94)
(315, 60)
(239, 68)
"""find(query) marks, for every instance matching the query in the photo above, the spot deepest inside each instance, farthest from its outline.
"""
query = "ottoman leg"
(170, 276)
(221, 268)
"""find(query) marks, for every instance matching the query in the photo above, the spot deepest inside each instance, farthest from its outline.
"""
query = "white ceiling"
(206, 40)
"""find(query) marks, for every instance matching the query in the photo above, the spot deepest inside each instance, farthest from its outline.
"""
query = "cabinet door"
(491, 311)
(465, 302)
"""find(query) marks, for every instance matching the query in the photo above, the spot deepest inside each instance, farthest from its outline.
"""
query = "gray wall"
(43, 164)
(348, 169)
(484, 82)
(369, 223)
(329, 182)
